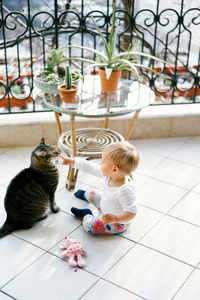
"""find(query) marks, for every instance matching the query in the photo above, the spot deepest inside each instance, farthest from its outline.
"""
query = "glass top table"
(91, 102)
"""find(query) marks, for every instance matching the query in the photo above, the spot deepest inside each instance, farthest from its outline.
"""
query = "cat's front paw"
(55, 209)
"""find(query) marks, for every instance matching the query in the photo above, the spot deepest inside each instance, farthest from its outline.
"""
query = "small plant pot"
(46, 87)
(111, 84)
(67, 96)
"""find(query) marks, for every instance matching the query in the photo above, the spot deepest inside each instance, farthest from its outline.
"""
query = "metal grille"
(27, 33)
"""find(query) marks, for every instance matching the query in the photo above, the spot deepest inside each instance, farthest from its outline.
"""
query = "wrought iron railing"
(168, 33)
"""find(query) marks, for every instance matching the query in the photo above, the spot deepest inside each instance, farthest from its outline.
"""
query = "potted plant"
(68, 90)
(110, 62)
(53, 75)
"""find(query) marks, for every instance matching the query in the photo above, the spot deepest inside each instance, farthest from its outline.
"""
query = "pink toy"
(73, 252)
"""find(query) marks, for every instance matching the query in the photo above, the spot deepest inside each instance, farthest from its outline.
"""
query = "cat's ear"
(42, 141)
(40, 153)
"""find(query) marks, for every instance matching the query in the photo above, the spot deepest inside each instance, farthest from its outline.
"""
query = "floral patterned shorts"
(94, 225)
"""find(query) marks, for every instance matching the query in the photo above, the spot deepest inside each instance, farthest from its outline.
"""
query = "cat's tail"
(6, 229)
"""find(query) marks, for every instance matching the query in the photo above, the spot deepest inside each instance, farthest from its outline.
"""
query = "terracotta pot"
(67, 96)
(111, 84)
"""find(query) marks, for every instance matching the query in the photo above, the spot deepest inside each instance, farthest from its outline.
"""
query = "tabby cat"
(31, 191)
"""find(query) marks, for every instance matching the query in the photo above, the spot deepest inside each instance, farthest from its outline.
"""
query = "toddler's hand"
(67, 160)
(109, 219)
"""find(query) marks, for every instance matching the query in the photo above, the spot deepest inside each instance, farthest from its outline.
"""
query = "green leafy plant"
(57, 57)
(110, 60)
(76, 76)
(53, 72)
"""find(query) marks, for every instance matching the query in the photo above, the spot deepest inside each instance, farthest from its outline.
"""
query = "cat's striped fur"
(31, 191)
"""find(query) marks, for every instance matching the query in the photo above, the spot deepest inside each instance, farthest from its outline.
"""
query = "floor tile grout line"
(121, 236)
(167, 212)
(107, 280)
(63, 239)
(11, 297)
(168, 215)
(167, 182)
(45, 252)
(115, 284)
(184, 282)
(101, 277)
(121, 257)
(19, 159)
(171, 153)
(187, 140)
(180, 146)
(89, 289)
(23, 270)
(165, 254)
(183, 162)
(114, 265)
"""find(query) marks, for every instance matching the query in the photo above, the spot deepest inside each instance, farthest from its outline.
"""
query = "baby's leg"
(90, 196)
(94, 225)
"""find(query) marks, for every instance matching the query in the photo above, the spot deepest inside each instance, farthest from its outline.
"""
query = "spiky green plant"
(111, 60)
(68, 78)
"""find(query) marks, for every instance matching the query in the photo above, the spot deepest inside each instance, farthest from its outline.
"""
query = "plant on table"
(68, 90)
(110, 62)
(53, 74)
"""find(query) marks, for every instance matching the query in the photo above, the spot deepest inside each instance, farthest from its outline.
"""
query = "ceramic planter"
(111, 84)
(46, 87)
(49, 88)
(67, 96)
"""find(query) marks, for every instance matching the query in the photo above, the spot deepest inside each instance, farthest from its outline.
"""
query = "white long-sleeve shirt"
(114, 200)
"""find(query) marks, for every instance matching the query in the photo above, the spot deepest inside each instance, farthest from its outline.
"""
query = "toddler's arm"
(84, 165)
(124, 217)
(67, 160)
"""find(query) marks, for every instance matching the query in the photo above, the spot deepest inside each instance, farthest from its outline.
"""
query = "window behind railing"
(30, 29)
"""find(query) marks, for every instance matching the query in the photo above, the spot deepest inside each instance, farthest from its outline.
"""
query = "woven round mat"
(90, 141)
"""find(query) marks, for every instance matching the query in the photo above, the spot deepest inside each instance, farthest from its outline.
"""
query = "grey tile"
(175, 238)
(148, 161)
(157, 194)
(47, 233)
(50, 278)
(102, 251)
(177, 173)
(145, 219)
(108, 291)
(190, 290)
(161, 146)
(193, 148)
(10, 167)
(188, 209)
(21, 153)
(148, 273)
(15, 256)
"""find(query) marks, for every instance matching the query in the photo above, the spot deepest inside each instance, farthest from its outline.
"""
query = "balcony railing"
(28, 33)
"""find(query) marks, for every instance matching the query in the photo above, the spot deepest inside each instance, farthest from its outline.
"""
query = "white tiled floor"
(157, 258)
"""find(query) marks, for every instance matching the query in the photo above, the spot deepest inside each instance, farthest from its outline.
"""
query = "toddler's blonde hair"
(124, 155)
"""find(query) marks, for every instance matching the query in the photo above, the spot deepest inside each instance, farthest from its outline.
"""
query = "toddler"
(117, 205)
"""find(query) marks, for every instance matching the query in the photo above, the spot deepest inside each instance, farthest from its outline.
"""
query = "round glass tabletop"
(92, 102)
